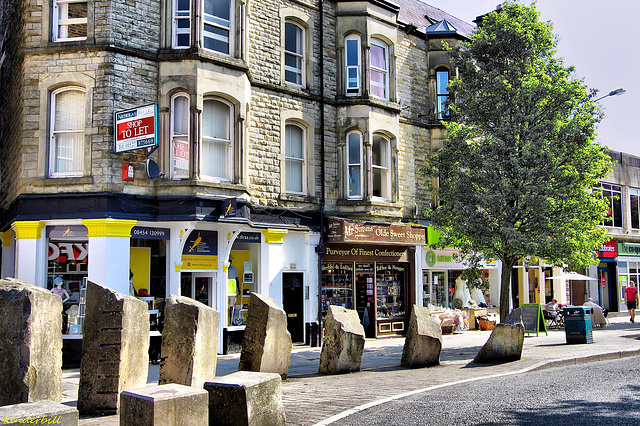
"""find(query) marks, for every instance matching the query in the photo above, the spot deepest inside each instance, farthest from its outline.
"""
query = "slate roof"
(423, 15)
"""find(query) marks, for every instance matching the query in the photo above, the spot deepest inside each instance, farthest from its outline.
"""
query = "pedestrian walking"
(631, 299)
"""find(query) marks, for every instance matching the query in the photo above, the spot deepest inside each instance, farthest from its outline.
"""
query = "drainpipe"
(320, 248)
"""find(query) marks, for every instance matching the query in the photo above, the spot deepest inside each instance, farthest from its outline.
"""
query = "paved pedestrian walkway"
(310, 398)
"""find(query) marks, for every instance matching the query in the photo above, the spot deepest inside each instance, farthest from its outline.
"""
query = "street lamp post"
(616, 92)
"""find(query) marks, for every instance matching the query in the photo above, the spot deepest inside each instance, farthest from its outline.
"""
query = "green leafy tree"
(515, 175)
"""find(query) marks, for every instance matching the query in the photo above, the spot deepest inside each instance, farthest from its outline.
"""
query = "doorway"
(293, 304)
(199, 286)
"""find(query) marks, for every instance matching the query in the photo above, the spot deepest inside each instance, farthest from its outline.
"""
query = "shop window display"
(390, 290)
(66, 269)
(337, 286)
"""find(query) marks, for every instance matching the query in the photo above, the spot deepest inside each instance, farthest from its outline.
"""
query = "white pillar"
(29, 252)
(8, 254)
(109, 252)
(273, 263)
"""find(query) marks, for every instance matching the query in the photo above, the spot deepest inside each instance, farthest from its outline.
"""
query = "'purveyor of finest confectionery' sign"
(344, 231)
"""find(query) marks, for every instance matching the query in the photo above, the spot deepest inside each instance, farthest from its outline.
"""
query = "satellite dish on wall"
(152, 169)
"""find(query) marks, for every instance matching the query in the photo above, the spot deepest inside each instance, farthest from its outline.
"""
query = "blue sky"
(596, 38)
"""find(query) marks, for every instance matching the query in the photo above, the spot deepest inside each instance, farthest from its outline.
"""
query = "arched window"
(442, 94)
(381, 167)
(294, 53)
(295, 158)
(354, 165)
(379, 69)
(352, 63)
(217, 140)
(66, 147)
(180, 140)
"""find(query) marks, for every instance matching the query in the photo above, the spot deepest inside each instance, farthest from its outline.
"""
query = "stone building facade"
(271, 122)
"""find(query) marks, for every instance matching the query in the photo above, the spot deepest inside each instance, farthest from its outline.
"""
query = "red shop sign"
(609, 249)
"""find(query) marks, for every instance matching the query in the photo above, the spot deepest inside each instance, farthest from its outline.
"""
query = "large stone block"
(115, 349)
(504, 344)
(343, 342)
(30, 343)
(189, 342)
(246, 398)
(423, 343)
(39, 412)
(169, 405)
(267, 343)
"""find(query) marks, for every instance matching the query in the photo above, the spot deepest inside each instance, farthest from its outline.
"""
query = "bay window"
(354, 165)
(217, 140)
(379, 69)
(442, 94)
(180, 141)
(181, 23)
(217, 25)
(380, 167)
(352, 62)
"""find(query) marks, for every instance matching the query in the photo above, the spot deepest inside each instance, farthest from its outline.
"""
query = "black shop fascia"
(370, 268)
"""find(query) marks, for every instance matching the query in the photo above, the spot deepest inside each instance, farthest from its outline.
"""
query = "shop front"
(628, 270)
(371, 268)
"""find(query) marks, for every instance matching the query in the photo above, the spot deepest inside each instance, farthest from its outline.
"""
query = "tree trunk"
(505, 286)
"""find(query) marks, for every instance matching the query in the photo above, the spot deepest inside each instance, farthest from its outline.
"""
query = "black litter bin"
(577, 324)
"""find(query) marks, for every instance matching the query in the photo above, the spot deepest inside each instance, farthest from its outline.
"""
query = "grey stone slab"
(30, 343)
(504, 345)
(110, 366)
(189, 342)
(267, 342)
(423, 343)
(343, 343)
(246, 398)
(165, 405)
(39, 412)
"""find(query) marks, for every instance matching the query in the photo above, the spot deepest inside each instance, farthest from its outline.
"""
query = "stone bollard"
(343, 344)
(267, 343)
(30, 342)
(115, 349)
(166, 405)
(504, 345)
(189, 342)
(246, 398)
(423, 343)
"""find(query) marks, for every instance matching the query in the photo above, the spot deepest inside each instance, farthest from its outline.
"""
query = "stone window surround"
(47, 85)
(195, 137)
(306, 121)
(305, 22)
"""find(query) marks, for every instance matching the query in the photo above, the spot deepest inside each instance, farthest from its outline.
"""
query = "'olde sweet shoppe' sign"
(342, 231)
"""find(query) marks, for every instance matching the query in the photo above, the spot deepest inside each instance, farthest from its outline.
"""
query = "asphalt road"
(600, 393)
